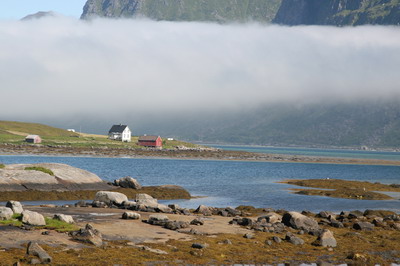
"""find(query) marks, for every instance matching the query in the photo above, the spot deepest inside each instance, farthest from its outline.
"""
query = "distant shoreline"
(226, 155)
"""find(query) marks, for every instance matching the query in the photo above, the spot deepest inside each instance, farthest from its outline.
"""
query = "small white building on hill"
(120, 132)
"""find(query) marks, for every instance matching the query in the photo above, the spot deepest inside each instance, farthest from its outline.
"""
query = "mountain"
(338, 12)
(184, 10)
(371, 124)
(38, 15)
(287, 12)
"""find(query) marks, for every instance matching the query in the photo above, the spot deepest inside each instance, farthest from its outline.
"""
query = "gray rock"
(197, 221)
(207, 211)
(363, 226)
(294, 239)
(268, 242)
(32, 218)
(131, 205)
(15, 206)
(271, 217)
(297, 220)
(109, 197)
(336, 224)
(88, 235)
(127, 182)
(175, 225)
(326, 239)
(16, 178)
(396, 226)
(64, 218)
(158, 219)
(163, 208)
(248, 236)
(6, 213)
(36, 250)
(199, 245)
(326, 214)
(355, 214)
(146, 200)
(277, 239)
(99, 204)
(131, 215)
(82, 203)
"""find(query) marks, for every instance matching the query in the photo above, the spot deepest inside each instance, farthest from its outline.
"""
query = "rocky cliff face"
(184, 10)
(338, 12)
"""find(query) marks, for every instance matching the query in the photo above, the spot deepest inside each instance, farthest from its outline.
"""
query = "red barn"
(150, 141)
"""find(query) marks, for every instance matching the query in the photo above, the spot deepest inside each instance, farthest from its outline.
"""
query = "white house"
(120, 132)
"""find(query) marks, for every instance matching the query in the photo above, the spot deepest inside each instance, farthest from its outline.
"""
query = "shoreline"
(218, 155)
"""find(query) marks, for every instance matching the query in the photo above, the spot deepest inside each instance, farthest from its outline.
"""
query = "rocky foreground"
(112, 230)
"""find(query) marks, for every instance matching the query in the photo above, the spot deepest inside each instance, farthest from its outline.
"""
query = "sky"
(66, 70)
(17, 9)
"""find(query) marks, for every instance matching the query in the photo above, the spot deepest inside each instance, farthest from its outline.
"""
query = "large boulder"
(36, 250)
(326, 239)
(363, 226)
(131, 215)
(109, 197)
(6, 213)
(205, 210)
(297, 220)
(33, 218)
(15, 206)
(127, 182)
(146, 200)
(88, 235)
(15, 178)
(64, 218)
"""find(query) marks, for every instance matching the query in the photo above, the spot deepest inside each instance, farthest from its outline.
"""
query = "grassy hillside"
(185, 10)
(15, 133)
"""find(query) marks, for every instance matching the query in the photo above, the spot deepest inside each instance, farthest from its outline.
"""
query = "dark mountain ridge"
(287, 12)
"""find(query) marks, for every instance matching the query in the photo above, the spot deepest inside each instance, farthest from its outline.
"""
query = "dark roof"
(148, 138)
(117, 128)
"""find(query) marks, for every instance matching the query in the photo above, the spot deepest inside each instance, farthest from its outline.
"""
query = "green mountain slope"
(184, 10)
(338, 12)
(23, 129)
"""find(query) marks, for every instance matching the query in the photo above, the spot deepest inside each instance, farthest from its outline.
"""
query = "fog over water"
(65, 71)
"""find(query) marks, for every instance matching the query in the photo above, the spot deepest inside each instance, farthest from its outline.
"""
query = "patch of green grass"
(14, 221)
(59, 226)
(2, 166)
(41, 169)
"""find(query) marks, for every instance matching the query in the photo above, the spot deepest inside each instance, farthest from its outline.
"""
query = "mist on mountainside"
(202, 81)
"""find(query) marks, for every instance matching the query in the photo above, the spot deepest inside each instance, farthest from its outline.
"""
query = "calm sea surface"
(340, 153)
(233, 183)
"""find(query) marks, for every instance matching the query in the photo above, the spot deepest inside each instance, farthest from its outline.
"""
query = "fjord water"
(234, 183)
(337, 153)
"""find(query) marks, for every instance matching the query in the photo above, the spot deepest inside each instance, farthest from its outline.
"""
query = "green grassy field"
(15, 133)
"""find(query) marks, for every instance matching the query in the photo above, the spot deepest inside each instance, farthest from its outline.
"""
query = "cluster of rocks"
(143, 202)
(127, 182)
(358, 220)
(164, 221)
(225, 212)
(28, 218)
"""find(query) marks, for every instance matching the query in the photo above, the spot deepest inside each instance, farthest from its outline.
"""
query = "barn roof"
(31, 136)
(117, 128)
(148, 138)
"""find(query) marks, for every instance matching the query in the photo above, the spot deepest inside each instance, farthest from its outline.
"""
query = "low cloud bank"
(64, 67)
